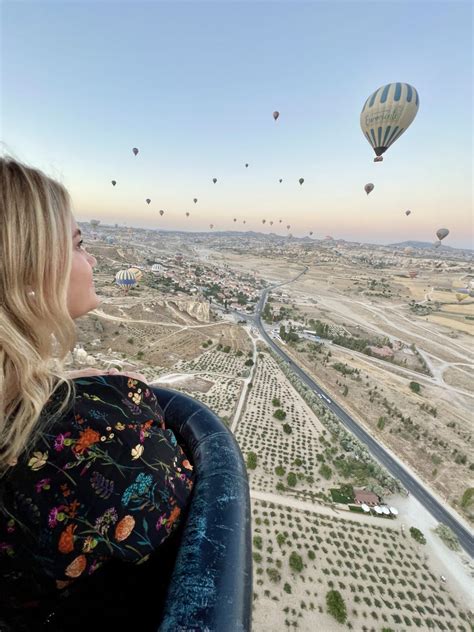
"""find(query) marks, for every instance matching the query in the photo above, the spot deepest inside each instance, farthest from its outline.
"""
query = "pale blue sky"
(194, 85)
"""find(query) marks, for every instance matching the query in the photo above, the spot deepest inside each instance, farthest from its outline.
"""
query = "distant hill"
(424, 245)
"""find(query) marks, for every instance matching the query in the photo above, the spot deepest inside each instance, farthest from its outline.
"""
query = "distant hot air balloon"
(214, 180)
(135, 150)
(279, 221)
(137, 273)
(195, 200)
(263, 221)
(235, 219)
(114, 182)
(460, 297)
(276, 115)
(409, 250)
(245, 221)
(162, 213)
(280, 180)
(187, 214)
(441, 233)
(369, 187)
(211, 225)
(413, 274)
(387, 113)
(125, 279)
(310, 232)
(407, 213)
(246, 165)
(329, 238)
(288, 227)
(148, 200)
(271, 223)
(301, 180)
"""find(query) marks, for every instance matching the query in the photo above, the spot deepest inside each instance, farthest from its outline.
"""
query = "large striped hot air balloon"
(387, 113)
(125, 279)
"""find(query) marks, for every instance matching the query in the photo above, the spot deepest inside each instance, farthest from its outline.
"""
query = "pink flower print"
(59, 441)
(161, 521)
(53, 517)
(44, 483)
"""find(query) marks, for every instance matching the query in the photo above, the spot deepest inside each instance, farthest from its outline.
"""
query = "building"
(363, 496)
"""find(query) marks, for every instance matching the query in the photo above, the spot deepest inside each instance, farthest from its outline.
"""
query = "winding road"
(396, 469)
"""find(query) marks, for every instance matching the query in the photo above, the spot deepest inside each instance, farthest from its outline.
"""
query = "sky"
(193, 85)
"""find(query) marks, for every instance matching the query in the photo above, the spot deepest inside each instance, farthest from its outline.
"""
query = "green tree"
(287, 428)
(415, 387)
(336, 606)
(291, 479)
(276, 401)
(280, 470)
(279, 414)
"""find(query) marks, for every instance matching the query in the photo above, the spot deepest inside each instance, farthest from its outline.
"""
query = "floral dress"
(105, 480)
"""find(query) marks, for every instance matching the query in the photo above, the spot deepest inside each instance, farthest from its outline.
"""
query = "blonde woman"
(89, 475)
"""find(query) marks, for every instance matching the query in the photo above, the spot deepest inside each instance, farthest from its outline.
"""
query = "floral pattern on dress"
(105, 480)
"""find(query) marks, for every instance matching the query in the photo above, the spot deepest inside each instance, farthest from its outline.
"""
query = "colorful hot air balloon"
(137, 273)
(114, 182)
(195, 200)
(369, 187)
(135, 150)
(276, 114)
(162, 213)
(148, 200)
(407, 213)
(460, 297)
(214, 180)
(125, 279)
(441, 233)
(387, 113)
(301, 180)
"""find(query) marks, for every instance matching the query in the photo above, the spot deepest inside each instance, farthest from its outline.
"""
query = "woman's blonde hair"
(36, 329)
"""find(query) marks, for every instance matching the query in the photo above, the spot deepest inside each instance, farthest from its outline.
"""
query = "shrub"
(249, 362)
(287, 588)
(325, 471)
(287, 428)
(280, 470)
(415, 387)
(257, 542)
(274, 575)
(448, 537)
(251, 460)
(276, 401)
(296, 563)
(291, 479)
(279, 414)
(417, 535)
(336, 606)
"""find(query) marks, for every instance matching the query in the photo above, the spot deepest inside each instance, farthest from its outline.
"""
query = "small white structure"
(385, 511)
(377, 510)
(393, 511)
(365, 508)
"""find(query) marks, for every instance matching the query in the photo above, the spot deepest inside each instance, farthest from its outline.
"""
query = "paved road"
(436, 509)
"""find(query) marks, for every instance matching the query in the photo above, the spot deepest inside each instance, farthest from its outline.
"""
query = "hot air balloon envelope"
(301, 180)
(148, 200)
(114, 182)
(369, 187)
(387, 113)
(135, 150)
(276, 115)
(441, 233)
